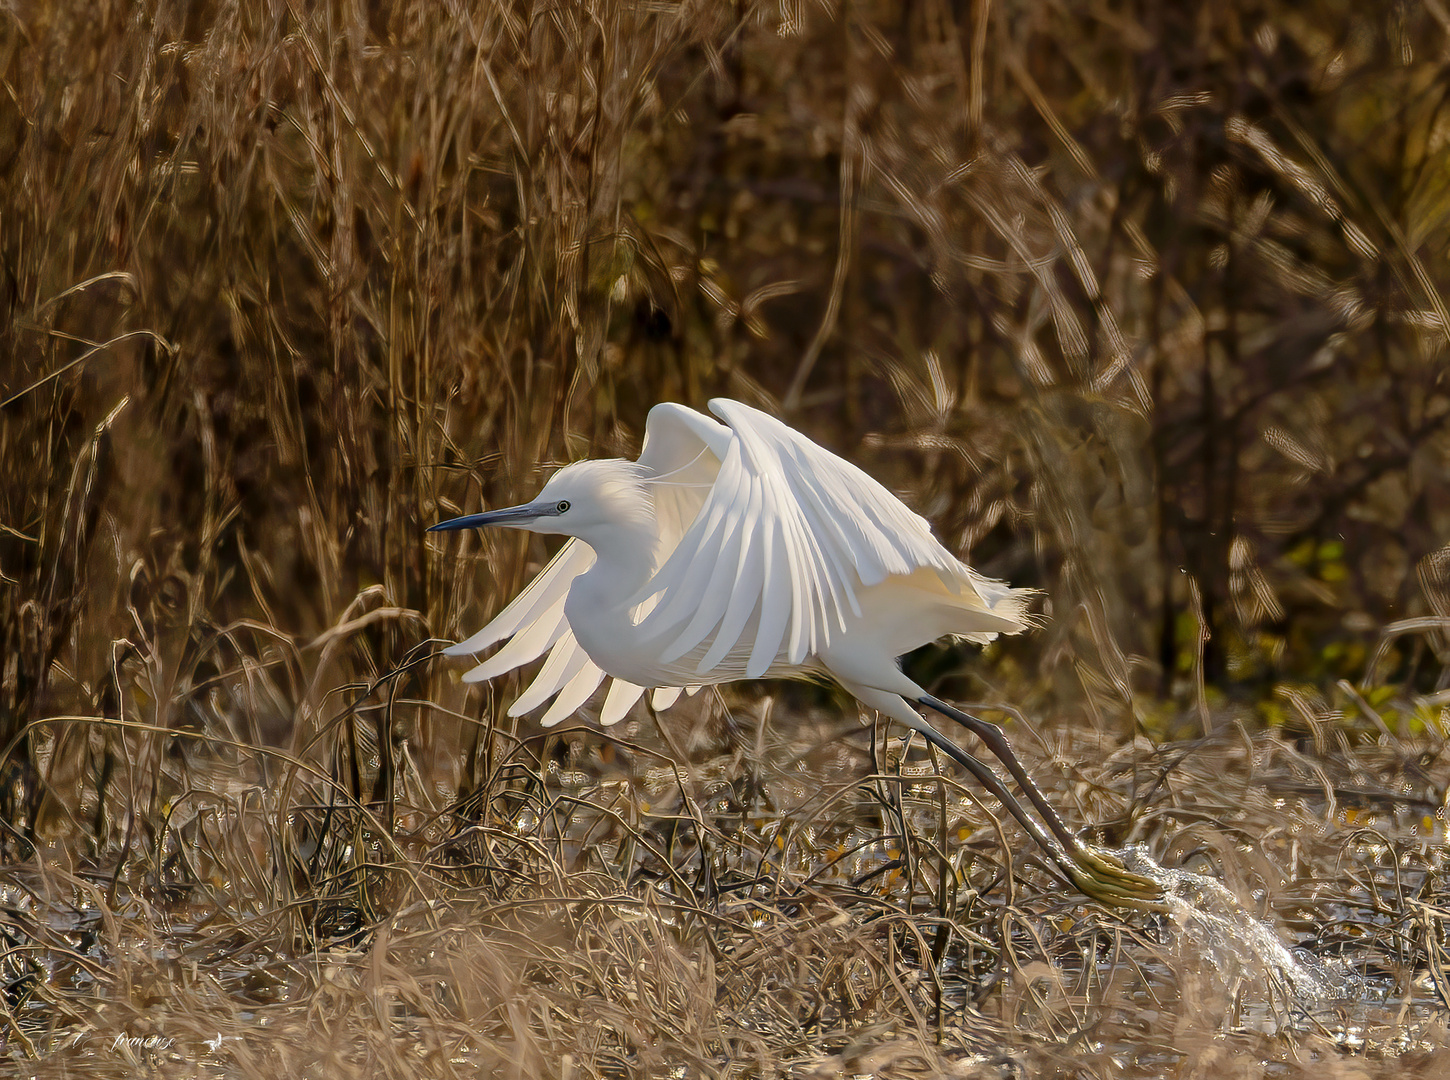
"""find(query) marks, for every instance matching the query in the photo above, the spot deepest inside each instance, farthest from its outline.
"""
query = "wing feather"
(618, 701)
(541, 595)
(679, 582)
(528, 644)
(833, 568)
(683, 451)
(847, 556)
(775, 599)
(575, 693)
(566, 659)
(745, 596)
(813, 530)
(711, 609)
(825, 587)
(804, 572)
(664, 696)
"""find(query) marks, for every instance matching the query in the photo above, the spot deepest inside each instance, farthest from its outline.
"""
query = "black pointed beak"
(514, 516)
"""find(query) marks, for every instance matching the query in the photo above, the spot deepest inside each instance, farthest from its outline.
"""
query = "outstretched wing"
(534, 623)
(533, 620)
(682, 453)
(680, 449)
(777, 549)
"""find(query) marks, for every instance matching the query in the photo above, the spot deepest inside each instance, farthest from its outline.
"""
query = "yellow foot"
(1102, 876)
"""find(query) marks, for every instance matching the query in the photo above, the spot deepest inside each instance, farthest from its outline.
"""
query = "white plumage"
(741, 550)
(767, 555)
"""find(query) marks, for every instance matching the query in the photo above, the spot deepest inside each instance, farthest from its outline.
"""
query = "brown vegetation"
(1142, 305)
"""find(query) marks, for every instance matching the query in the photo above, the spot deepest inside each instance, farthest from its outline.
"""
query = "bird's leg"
(899, 707)
(993, 783)
(1096, 873)
(1002, 750)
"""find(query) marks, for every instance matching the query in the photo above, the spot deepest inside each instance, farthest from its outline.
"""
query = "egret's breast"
(606, 630)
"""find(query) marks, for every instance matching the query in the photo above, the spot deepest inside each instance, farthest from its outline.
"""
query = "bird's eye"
(563, 506)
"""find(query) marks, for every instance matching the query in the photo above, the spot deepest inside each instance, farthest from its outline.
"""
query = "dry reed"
(1142, 306)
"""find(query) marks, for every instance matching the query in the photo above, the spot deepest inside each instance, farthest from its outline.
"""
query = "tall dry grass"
(1142, 306)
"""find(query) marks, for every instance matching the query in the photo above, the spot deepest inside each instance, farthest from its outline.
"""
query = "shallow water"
(1210, 919)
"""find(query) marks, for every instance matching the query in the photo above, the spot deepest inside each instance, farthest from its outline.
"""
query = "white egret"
(741, 551)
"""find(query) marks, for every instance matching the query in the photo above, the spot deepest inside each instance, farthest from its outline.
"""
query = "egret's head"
(580, 500)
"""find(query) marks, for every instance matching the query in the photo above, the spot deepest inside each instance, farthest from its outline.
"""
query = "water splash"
(1210, 918)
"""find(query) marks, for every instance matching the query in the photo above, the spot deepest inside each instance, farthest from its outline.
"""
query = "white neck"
(624, 561)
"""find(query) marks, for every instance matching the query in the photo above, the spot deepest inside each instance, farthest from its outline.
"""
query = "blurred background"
(1142, 307)
(1142, 304)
